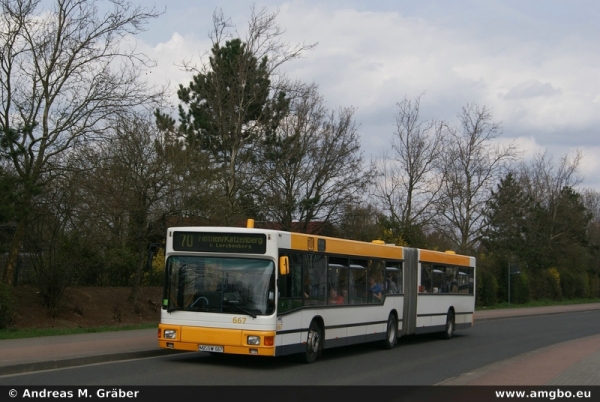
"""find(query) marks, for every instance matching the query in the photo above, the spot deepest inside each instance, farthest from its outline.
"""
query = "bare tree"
(134, 179)
(472, 165)
(312, 168)
(64, 74)
(544, 180)
(558, 224)
(361, 222)
(409, 183)
(59, 248)
(591, 199)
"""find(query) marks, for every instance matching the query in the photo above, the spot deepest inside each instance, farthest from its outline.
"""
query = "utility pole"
(509, 284)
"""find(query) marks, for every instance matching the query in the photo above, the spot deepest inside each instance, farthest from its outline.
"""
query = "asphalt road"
(417, 360)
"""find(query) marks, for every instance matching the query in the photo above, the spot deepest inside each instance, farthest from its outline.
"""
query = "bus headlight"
(253, 340)
(170, 334)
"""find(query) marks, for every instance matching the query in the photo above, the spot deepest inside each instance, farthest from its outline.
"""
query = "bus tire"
(391, 336)
(313, 343)
(449, 331)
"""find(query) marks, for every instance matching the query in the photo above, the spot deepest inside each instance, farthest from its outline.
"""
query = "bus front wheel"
(392, 332)
(313, 343)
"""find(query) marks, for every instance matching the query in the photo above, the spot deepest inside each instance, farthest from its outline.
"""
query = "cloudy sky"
(535, 63)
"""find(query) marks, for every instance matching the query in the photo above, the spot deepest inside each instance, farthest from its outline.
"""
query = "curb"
(500, 317)
(81, 361)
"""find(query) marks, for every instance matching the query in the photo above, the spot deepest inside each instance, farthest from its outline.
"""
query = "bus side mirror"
(284, 265)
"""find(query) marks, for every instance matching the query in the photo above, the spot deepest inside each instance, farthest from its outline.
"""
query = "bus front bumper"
(216, 340)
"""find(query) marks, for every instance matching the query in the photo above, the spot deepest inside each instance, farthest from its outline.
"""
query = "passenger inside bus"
(390, 284)
(334, 298)
(376, 289)
(345, 294)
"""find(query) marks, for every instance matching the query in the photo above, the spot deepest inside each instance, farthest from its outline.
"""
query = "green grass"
(12, 333)
(539, 303)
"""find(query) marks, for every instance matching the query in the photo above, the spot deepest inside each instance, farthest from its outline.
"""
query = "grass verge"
(13, 333)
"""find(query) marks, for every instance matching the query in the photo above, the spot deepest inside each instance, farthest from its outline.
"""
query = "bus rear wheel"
(449, 331)
(391, 336)
(313, 343)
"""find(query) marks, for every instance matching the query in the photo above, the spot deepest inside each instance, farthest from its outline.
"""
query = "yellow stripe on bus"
(444, 258)
(347, 247)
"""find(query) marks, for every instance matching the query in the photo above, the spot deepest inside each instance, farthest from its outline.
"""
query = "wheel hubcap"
(313, 341)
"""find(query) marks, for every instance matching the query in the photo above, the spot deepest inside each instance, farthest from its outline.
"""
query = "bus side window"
(393, 280)
(376, 280)
(337, 281)
(451, 282)
(437, 278)
(426, 273)
(314, 280)
(357, 293)
(465, 280)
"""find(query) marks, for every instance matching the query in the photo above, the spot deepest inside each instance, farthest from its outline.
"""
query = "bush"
(157, 270)
(575, 285)
(519, 289)
(594, 285)
(487, 288)
(582, 286)
(7, 306)
(567, 285)
(52, 278)
(120, 267)
(546, 285)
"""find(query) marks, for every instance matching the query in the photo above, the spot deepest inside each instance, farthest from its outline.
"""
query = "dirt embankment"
(87, 307)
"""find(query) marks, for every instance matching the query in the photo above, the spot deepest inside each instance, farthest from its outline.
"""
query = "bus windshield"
(220, 285)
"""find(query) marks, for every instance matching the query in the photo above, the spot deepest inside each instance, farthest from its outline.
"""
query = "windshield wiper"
(243, 310)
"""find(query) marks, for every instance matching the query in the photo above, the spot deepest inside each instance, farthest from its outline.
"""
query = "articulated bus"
(270, 293)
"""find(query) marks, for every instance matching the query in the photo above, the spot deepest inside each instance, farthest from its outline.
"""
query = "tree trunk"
(140, 217)
(8, 275)
(136, 287)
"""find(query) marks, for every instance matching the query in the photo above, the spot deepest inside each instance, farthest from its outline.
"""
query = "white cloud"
(170, 56)
(534, 70)
(590, 166)
(531, 89)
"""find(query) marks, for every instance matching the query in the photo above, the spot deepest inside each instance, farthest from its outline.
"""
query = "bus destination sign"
(251, 243)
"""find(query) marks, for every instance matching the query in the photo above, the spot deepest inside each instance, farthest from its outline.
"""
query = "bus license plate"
(208, 348)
